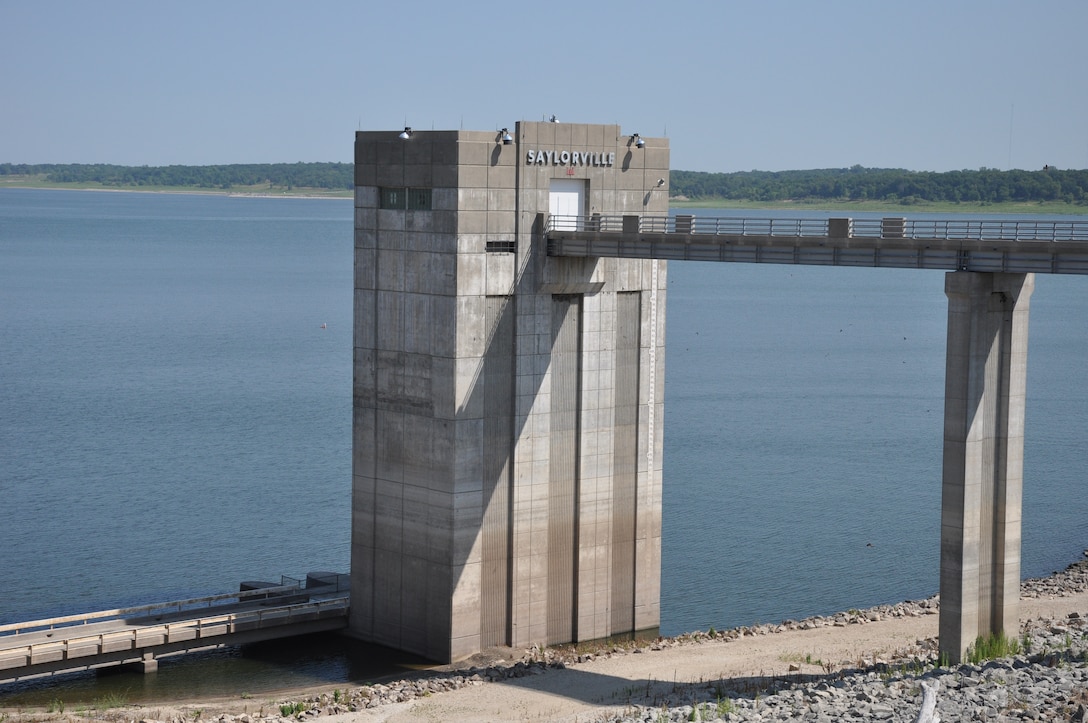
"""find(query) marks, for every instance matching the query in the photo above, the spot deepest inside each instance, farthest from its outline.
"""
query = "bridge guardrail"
(874, 228)
(164, 633)
(175, 606)
(318, 584)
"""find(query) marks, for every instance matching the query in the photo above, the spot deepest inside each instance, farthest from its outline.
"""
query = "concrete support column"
(985, 386)
(147, 664)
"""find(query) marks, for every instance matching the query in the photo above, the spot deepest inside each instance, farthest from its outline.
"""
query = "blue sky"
(769, 85)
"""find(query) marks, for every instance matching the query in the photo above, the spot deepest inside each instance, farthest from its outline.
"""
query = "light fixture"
(507, 139)
(661, 182)
(639, 143)
(406, 134)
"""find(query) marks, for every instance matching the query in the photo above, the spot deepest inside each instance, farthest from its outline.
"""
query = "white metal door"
(567, 202)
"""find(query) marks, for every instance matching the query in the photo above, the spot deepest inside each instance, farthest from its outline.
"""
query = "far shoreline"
(346, 196)
(680, 203)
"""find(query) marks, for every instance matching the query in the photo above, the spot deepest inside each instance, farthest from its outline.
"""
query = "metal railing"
(289, 586)
(875, 228)
(195, 629)
(984, 230)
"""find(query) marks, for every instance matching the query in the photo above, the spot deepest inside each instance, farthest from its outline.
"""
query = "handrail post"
(840, 227)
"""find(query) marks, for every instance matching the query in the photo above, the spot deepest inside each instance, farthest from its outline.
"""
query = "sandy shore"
(598, 684)
(598, 688)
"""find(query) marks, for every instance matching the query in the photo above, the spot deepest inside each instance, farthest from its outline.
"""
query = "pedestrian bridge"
(1016, 246)
(992, 265)
(139, 636)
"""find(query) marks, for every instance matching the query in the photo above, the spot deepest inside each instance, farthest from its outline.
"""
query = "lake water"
(175, 417)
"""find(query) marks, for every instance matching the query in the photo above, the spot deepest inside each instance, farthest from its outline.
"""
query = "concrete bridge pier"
(985, 386)
(147, 663)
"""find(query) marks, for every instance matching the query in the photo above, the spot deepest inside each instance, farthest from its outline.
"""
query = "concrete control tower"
(508, 406)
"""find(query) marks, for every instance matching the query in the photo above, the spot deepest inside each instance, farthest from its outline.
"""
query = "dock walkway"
(138, 636)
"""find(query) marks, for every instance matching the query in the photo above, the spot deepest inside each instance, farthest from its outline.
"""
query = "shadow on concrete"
(557, 680)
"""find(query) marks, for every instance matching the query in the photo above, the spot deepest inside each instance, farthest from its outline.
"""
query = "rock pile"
(1045, 677)
(1047, 680)
(1070, 580)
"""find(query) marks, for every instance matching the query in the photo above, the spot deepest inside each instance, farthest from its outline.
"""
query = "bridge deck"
(1019, 246)
(136, 635)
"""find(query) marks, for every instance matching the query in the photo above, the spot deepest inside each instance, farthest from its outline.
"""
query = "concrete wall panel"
(418, 175)
(503, 177)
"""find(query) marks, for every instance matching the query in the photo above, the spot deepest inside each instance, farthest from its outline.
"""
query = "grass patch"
(289, 709)
(115, 699)
(807, 659)
(992, 647)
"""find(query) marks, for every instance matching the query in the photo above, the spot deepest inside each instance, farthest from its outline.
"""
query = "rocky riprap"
(1046, 680)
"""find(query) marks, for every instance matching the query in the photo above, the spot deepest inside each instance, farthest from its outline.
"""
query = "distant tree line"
(333, 176)
(889, 185)
(985, 185)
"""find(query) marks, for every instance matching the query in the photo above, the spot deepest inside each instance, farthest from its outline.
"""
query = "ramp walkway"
(138, 636)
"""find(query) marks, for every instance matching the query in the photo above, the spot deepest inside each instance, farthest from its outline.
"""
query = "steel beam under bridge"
(992, 265)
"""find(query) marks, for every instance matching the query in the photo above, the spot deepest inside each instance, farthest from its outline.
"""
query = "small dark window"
(413, 199)
(393, 198)
(501, 247)
(419, 199)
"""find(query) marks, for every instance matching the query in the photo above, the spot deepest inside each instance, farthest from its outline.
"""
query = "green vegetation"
(897, 187)
(115, 699)
(847, 207)
(268, 178)
(914, 668)
(992, 647)
(724, 707)
(807, 659)
(289, 709)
